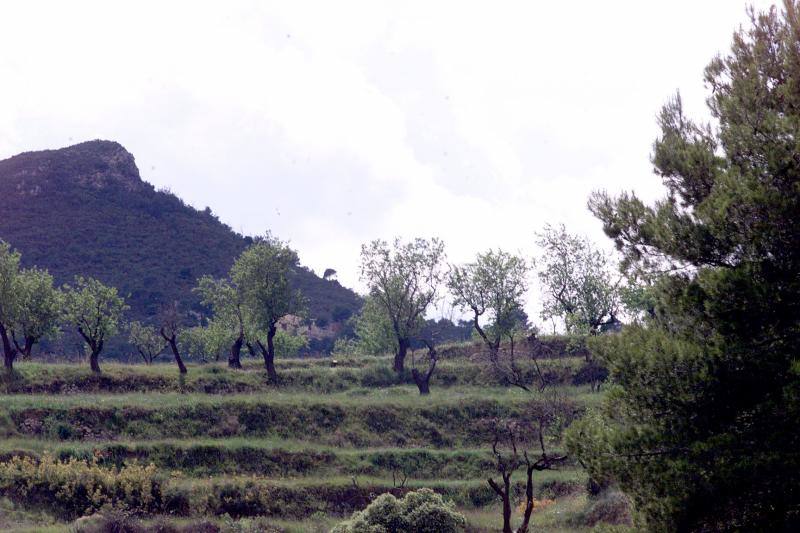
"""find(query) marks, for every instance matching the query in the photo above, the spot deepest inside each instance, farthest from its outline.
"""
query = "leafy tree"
(288, 344)
(262, 273)
(39, 310)
(9, 300)
(147, 341)
(404, 279)
(577, 282)
(205, 342)
(95, 310)
(491, 287)
(700, 428)
(226, 300)
(374, 330)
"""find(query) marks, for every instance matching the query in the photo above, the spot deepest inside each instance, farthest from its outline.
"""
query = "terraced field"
(227, 447)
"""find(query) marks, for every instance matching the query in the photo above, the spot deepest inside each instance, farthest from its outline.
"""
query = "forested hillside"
(85, 210)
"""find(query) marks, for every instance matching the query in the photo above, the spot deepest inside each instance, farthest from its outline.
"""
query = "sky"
(335, 123)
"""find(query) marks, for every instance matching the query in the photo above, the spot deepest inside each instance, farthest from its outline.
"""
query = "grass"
(306, 453)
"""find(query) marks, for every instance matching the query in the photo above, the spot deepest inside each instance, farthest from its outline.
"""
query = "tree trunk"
(9, 353)
(94, 360)
(526, 519)
(507, 505)
(423, 382)
(250, 349)
(505, 495)
(269, 355)
(236, 348)
(400, 357)
(27, 350)
(174, 347)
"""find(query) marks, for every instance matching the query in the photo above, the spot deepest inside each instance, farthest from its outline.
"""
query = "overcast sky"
(332, 123)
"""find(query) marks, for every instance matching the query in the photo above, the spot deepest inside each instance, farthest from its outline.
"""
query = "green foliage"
(373, 327)
(421, 511)
(577, 282)
(39, 306)
(205, 343)
(700, 427)
(262, 274)
(9, 294)
(492, 287)
(30, 307)
(147, 341)
(95, 310)
(74, 487)
(404, 280)
(227, 305)
(108, 229)
(289, 345)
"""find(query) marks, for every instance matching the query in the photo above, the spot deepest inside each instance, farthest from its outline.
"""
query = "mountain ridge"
(84, 209)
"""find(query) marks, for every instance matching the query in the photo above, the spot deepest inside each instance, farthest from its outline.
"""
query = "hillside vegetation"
(84, 210)
(222, 448)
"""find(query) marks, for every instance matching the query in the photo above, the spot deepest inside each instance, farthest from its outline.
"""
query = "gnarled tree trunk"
(9, 352)
(233, 357)
(269, 354)
(173, 345)
(94, 358)
(423, 380)
(400, 356)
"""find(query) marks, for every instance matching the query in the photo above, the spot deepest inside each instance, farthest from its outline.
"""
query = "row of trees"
(246, 308)
(405, 280)
(31, 308)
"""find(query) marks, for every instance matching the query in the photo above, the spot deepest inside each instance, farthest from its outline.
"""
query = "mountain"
(85, 210)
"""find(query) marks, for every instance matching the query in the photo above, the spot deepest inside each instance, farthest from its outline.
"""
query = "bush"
(421, 511)
(73, 488)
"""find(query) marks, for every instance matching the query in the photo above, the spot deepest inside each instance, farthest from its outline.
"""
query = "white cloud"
(332, 123)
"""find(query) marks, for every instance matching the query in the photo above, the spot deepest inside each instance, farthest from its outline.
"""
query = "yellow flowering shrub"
(538, 505)
(75, 487)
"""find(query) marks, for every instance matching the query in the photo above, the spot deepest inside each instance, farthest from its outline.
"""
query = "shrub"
(75, 487)
(421, 511)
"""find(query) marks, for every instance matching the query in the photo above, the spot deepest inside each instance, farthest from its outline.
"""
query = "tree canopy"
(576, 281)
(492, 287)
(701, 427)
(262, 273)
(405, 280)
(95, 310)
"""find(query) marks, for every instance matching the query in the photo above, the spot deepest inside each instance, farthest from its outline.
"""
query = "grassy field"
(232, 452)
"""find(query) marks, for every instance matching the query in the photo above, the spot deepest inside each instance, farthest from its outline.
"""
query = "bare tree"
(512, 449)
(170, 331)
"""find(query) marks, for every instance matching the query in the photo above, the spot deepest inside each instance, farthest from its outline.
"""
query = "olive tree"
(95, 310)
(577, 282)
(29, 306)
(38, 312)
(373, 329)
(404, 278)
(226, 301)
(170, 330)
(491, 288)
(263, 273)
(147, 341)
(9, 300)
